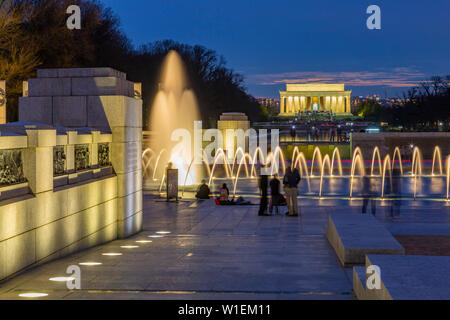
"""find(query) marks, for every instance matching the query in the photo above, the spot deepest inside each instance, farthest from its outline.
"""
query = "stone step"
(405, 277)
(93, 86)
(79, 73)
(359, 282)
(352, 236)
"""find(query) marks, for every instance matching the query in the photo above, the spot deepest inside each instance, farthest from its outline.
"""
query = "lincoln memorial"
(314, 97)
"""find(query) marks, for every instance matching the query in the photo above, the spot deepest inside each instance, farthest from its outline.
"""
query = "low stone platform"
(352, 236)
(405, 278)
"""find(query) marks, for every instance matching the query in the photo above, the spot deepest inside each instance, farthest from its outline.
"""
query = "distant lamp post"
(25, 89)
(138, 90)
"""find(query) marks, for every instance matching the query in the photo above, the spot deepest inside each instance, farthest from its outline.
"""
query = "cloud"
(395, 78)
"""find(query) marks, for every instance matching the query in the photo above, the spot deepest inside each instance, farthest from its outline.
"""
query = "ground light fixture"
(111, 254)
(156, 236)
(62, 279)
(163, 232)
(90, 263)
(129, 247)
(33, 295)
(143, 241)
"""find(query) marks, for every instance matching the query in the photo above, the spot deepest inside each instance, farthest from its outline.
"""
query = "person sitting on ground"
(224, 193)
(223, 199)
(203, 191)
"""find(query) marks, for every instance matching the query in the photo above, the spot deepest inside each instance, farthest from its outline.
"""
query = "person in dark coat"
(275, 196)
(203, 191)
(263, 183)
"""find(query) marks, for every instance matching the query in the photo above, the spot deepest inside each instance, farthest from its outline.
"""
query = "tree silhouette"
(34, 33)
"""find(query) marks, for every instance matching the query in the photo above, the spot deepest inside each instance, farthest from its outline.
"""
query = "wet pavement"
(221, 252)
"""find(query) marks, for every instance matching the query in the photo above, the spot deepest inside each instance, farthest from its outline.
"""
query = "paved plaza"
(222, 252)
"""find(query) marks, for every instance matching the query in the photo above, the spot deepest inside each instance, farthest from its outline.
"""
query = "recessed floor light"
(129, 247)
(111, 254)
(33, 295)
(90, 263)
(155, 236)
(144, 241)
(62, 279)
(163, 232)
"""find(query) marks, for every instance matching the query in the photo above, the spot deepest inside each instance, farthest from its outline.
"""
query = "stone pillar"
(94, 148)
(37, 158)
(282, 110)
(70, 151)
(288, 102)
(124, 116)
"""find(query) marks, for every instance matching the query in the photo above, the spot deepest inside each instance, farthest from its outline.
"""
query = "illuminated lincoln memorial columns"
(314, 97)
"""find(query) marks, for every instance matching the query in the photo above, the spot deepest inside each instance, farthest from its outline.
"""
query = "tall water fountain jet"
(175, 107)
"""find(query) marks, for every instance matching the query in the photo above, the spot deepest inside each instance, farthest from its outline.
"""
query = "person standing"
(339, 133)
(396, 192)
(290, 182)
(275, 195)
(263, 183)
(367, 194)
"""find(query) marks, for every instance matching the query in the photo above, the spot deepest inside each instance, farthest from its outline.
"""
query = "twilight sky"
(273, 42)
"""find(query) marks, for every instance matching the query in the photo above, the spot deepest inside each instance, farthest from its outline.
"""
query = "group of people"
(291, 180)
(203, 192)
(290, 183)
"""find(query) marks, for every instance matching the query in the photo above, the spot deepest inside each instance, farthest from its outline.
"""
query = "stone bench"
(352, 236)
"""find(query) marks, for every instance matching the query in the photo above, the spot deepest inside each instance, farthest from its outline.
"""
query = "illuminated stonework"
(314, 97)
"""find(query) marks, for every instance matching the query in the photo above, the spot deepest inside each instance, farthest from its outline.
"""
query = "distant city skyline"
(272, 43)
